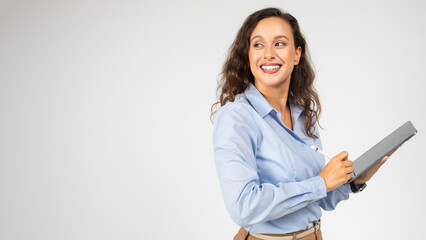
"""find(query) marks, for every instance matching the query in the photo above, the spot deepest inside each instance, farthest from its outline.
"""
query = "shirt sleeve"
(339, 194)
(249, 202)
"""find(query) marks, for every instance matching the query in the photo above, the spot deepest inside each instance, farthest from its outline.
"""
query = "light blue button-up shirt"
(267, 172)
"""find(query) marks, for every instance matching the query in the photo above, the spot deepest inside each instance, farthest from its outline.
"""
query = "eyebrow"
(278, 36)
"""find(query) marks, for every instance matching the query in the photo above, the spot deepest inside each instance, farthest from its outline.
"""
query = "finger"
(350, 169)
(339, 157)
(381, 162)
(394, 150)
(347, 163)
(376, 167)
(343, 155)
(384, 159)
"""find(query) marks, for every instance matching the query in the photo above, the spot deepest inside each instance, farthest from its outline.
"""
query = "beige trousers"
(244, 235)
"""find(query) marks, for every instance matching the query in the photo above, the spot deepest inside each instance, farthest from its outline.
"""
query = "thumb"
(342, 156)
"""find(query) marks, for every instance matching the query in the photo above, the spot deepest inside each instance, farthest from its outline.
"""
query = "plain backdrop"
(105, 105)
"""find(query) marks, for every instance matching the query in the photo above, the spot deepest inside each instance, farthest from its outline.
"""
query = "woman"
(272, 183)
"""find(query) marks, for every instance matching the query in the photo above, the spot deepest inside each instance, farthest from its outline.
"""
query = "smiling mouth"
(270, 68)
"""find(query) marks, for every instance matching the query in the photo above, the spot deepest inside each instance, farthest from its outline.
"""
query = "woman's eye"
(257, 45)
(280, 44)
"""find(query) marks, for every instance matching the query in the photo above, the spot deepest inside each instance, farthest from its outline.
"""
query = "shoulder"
(238, 114)
(238, 111)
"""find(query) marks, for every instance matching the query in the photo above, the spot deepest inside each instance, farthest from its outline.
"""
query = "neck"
(276, 96)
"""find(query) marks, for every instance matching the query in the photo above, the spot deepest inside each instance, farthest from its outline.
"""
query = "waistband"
(289, 236)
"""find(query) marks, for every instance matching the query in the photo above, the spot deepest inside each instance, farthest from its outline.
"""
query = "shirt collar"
(262, 106)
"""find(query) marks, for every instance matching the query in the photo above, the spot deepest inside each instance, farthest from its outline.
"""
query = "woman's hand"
(363, 178)
(337, 171)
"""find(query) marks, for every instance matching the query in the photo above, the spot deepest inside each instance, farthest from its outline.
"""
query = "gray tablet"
(382, 149)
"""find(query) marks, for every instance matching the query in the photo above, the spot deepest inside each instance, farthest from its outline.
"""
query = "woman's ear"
(298, 53)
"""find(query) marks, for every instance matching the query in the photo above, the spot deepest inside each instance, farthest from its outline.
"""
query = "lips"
(270, 68)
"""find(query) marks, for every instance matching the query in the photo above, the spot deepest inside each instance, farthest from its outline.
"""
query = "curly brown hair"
(236, 75)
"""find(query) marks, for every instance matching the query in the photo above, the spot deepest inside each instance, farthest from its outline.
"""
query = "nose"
(269, 53)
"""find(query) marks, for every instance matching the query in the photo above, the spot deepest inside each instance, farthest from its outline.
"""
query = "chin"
(272, 82)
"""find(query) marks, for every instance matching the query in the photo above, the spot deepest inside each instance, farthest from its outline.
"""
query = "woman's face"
(272, 53)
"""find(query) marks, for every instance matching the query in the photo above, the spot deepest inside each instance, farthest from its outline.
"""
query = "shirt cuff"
(345, 189)
(318, 187)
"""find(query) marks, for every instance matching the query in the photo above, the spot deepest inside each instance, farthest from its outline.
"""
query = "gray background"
(104, 114)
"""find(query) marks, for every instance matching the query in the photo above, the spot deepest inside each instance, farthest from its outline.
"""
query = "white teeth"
(270, 67)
